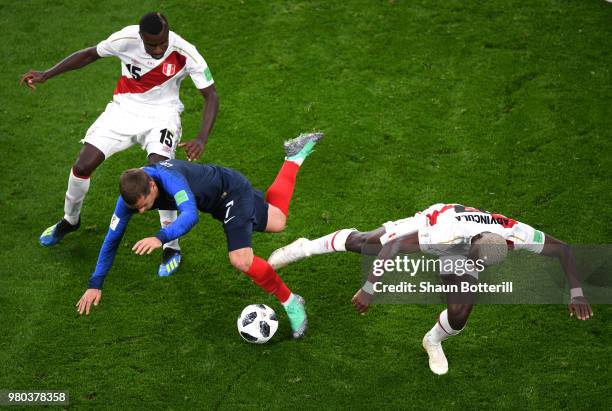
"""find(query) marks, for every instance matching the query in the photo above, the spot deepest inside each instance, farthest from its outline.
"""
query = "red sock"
(280, 192)
(264, 276)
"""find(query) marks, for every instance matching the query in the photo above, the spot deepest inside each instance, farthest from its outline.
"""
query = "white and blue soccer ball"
(257, 323)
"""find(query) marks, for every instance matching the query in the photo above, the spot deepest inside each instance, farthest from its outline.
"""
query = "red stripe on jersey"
(433, 217)
(153, 78)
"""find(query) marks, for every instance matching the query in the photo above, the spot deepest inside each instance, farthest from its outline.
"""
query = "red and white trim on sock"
(330, 243)
(442, 330)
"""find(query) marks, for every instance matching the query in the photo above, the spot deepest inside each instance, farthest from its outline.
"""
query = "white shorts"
(119, 128)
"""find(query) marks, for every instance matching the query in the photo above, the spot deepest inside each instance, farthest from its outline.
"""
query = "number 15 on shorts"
(167, 137)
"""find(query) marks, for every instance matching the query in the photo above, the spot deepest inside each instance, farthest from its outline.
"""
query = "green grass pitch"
(502, 105)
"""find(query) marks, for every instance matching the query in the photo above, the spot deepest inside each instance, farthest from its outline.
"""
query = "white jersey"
(148, 83)
(454, 224)
(444, 228)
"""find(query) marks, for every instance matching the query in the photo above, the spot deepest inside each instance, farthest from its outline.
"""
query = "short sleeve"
(105, 47)
(116, 42)
(531, 239)
(198, 69)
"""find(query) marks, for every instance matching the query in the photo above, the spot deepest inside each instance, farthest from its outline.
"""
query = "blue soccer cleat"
(54, 234)
(297, 316)
(171, 259)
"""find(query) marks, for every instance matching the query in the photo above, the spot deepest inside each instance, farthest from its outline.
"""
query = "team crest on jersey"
(169, 69)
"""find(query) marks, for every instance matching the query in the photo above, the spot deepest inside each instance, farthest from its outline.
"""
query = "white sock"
(167, 217)
(286, 303)
(442, 330)
(77, 188)
(330, 243)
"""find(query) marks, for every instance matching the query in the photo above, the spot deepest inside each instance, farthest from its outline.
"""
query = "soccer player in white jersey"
(145, 110)
(450, 231)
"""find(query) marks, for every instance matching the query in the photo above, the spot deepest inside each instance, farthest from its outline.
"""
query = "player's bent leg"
(171, 255)
(302, 248)
(265, 277)
(89, 159)
(277, 220)
(366, 243)
(280, 192)
(450, 323)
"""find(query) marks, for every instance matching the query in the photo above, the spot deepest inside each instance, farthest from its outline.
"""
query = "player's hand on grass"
(146, 245)
(32, 77)
(361, 300)
(92, 295)
(193, 148)
(581, 308)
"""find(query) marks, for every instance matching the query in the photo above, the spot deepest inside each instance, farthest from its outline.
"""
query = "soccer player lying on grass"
(224, 193)
(453, 232)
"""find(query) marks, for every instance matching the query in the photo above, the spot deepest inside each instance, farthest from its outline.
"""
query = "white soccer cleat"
(288, 254)
(437, 360)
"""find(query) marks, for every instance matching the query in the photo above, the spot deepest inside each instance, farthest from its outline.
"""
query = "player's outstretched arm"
(579, 305)
(75, 61)
(91, 296)
(195, 147)
(363, 297)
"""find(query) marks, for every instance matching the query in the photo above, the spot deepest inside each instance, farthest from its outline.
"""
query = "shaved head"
(153, 23)
(490, 248)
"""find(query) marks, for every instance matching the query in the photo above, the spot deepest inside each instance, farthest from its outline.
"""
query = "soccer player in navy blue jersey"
(225, 194)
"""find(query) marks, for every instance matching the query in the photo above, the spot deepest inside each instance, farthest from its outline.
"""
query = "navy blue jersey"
(183, 186)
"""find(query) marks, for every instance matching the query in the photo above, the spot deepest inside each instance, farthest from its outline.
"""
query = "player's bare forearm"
(76, 60)
(209, 115)
(563, 252)
(195, 147)
(388, 251)
(579, 305)
(363, 297)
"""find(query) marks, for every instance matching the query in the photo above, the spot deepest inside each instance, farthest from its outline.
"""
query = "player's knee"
(458, 315)
(355, 241)
(241, 262)
(282, 223)
(82, 169)
(276, 224)
(156, 158)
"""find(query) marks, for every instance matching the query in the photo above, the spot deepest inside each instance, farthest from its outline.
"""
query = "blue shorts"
(242, 211)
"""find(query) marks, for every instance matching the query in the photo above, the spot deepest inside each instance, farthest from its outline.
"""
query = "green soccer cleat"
(297, 316)
(300, 147)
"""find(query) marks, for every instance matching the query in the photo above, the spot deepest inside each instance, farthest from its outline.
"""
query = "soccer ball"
(257, 323)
